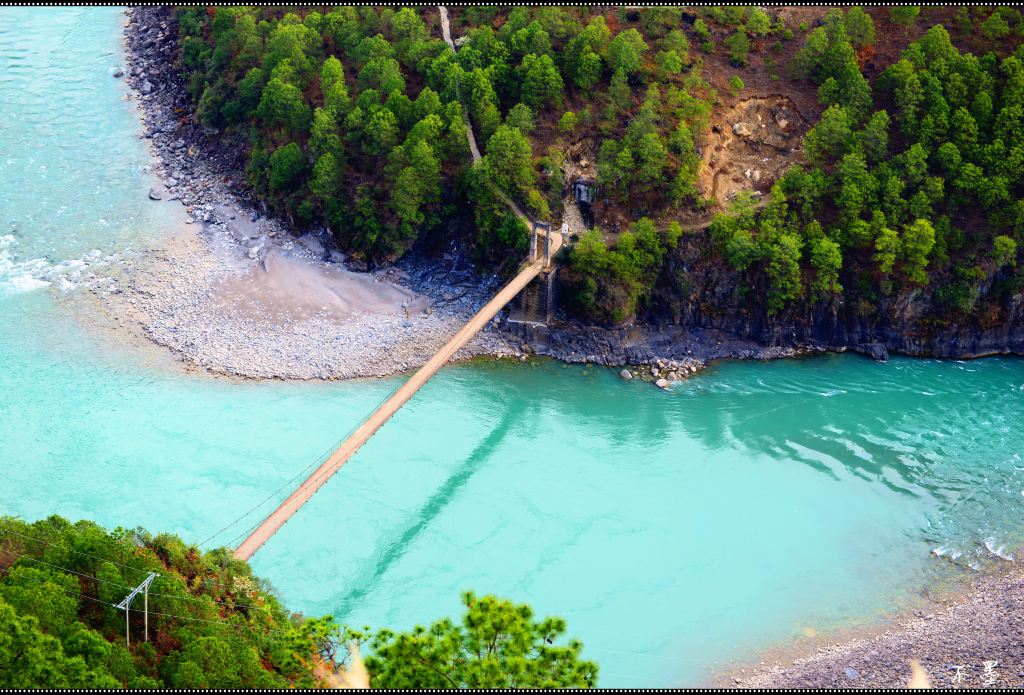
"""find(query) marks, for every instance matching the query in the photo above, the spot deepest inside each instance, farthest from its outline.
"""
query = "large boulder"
(875, 351)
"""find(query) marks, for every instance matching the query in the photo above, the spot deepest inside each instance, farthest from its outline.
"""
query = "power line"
(126, 606)
(102, 559)
(197, 599)
(128, 588)
(77, 552)
(224, 623)
(65, 569)
(212, 622)
(164, 615)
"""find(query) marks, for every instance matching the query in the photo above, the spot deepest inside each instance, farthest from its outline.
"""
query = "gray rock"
(661, 383)
(851, 673)
(626, 374)
(146, 87)
(154, 194)
(117, 72)
(742, 129)
(312, 244)
(875, 351)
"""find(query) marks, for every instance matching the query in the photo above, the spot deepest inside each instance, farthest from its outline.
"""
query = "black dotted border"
(491, 690)
(543, 3)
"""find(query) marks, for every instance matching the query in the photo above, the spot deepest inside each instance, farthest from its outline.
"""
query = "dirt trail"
(447, 32)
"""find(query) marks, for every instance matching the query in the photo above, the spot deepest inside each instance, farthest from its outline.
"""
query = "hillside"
(212, 624)
(790, 174)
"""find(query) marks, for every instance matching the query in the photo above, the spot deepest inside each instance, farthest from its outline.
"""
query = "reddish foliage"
(865, 56)
(165, 643)
(612, 20)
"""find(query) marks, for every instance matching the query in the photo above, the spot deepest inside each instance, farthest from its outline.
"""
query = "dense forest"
(354, 117)
(212, 624)
(916, 182)
(907, 184)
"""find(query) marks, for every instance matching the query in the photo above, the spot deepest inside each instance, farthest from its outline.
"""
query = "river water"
(676, 531)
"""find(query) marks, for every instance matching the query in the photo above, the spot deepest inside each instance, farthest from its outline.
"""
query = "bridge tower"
(534, 308)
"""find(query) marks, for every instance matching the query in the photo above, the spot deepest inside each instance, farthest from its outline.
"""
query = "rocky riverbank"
(203, 169)
(176, 294)
(966, 640)
(236, 292)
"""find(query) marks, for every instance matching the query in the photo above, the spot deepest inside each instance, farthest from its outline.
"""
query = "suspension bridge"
(543, 247)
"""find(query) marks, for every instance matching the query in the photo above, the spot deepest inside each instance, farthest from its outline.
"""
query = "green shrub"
(738, 45)
(567, 123)
(1004, 251)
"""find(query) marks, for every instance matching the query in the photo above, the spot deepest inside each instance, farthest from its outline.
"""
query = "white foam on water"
(997, 551)
(20, 276)
(943, 551)
(15, 278)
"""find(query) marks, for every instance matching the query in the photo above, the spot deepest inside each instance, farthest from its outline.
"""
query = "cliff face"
(714, 297)
(899, 327)
(703, 310)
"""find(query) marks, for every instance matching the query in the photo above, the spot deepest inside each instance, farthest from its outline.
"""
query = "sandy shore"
(972, 637)
(236, 293)
(282, 315)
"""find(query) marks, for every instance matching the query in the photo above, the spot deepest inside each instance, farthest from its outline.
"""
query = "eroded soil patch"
(751, 146)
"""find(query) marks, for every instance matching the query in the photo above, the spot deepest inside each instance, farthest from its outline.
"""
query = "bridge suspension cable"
(377, 418)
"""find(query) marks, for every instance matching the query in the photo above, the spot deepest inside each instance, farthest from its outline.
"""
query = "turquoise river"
(676, 531)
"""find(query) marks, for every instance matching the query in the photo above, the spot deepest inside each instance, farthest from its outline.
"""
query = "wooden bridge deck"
(376, 419)
(374, 422)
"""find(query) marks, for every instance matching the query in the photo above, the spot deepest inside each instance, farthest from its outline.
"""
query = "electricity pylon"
(125, 605)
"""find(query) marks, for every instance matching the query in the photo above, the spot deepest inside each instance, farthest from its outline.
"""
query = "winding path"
(446, 31)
